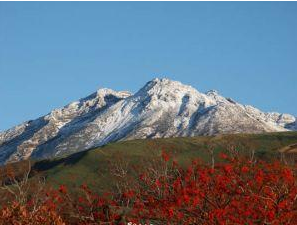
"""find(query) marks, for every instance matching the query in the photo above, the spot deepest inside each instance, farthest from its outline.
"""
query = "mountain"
(162, 108)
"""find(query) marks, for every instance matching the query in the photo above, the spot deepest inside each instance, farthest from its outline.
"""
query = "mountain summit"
(162, 108)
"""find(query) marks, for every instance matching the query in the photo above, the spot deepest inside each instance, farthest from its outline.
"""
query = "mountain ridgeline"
(161, 109)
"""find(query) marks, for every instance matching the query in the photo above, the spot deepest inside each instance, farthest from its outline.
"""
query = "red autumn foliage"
(233, 192)
(165, 156)
(236, 192)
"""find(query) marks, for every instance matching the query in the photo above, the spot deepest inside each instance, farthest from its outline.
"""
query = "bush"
(233, 192)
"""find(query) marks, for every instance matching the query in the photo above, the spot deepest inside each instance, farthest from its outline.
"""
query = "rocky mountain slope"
(162, 108)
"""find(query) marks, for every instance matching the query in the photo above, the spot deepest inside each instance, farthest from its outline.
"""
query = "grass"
(93, 166)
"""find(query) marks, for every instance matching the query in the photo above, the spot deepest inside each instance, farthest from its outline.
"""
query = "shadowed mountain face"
(162, 108)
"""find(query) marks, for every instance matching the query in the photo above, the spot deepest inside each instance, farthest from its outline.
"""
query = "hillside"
(94, 166)
(141, 184)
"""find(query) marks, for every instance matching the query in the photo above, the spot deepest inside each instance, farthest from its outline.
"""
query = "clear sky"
(52, 53)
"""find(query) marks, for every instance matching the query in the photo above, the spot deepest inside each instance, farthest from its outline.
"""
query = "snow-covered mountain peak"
(101, 98)
(161, 108)
(166, 89)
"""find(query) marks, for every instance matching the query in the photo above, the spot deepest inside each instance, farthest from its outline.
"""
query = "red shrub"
(233, 192)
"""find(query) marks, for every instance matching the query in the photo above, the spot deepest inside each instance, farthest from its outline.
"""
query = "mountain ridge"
(161, 108)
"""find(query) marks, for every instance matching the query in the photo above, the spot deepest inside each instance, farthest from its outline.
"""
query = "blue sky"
(52, 53)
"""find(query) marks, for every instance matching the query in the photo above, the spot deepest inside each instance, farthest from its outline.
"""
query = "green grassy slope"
(93, 166)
